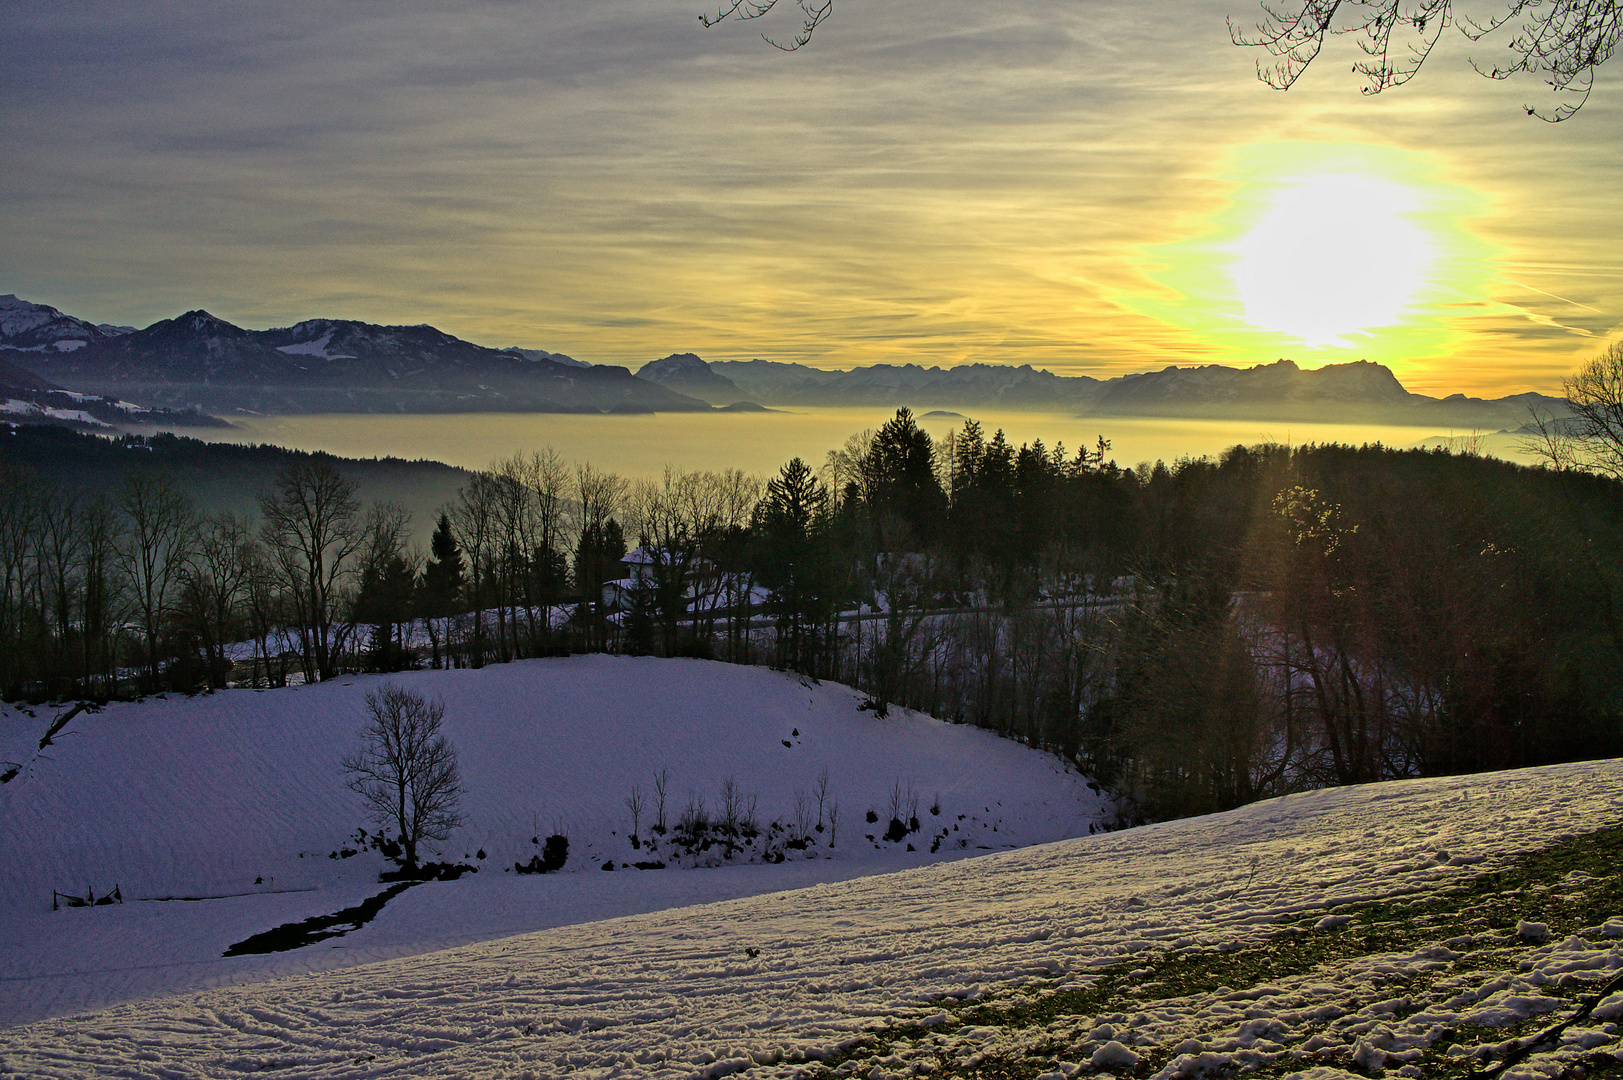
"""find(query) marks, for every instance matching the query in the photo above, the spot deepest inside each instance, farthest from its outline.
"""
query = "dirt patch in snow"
(297, 935)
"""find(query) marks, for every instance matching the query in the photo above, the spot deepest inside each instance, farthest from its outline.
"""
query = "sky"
(1089, 187)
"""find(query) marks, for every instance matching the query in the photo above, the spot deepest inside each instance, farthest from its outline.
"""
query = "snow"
(764, 982)
(239, 796)
(112, 403)
(18, 316)
(29, 408)
(315, 347)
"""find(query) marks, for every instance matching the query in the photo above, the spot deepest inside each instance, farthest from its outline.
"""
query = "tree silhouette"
(406, 769)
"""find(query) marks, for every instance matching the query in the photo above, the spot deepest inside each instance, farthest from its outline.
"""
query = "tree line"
(1194, 635)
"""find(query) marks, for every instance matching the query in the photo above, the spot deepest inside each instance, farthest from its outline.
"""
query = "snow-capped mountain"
(29, 327)
(27, 398)
(198, 360)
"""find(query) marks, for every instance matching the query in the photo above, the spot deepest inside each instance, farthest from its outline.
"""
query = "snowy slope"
(757, 985)
(238, 797)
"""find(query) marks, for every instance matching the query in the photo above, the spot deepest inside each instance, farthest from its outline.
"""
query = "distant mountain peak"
(686, 373)
(538, 355)
(29, 327)
(684, 362)
(200, 321)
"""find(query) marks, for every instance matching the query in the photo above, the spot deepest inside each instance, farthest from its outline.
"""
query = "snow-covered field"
(771, 984)
(216, 817)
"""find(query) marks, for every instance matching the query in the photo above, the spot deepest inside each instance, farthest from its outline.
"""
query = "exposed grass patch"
(1573, 884)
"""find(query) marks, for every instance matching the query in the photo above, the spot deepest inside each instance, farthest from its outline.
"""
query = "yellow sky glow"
(1325, 253)
(1086, 187)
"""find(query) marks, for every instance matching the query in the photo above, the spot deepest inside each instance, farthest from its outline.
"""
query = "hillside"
(1396, 929)
(220, 476)
(238, 796)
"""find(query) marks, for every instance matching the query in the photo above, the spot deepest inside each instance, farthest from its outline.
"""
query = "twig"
(59, 723)
(1521, 1052)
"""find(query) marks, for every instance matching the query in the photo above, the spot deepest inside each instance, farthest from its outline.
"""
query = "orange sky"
(1087, 187)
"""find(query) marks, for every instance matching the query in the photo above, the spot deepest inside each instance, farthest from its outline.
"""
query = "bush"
(554, 853)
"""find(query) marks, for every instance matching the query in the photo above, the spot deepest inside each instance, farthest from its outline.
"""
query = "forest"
(1193, 635)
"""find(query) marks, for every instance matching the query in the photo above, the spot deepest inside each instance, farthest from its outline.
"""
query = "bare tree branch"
(1563, 41)
(812, 14)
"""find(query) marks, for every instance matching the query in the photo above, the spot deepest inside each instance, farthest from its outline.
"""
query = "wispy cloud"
(925, 182)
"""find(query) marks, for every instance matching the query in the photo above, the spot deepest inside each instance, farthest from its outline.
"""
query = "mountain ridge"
(199, 362)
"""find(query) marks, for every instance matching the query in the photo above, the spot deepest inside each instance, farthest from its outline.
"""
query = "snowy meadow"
(1402, 928)
(224, 815)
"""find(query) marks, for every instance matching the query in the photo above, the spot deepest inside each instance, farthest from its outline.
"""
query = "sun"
(1333, 256)
(1321, 252)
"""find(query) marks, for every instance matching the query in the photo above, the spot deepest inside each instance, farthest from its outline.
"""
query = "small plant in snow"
(693, 827)
(904, 812)
(634, 804)
(803, 819)
(732, 809)
(661, 778)
(821, 792)
(554, 853)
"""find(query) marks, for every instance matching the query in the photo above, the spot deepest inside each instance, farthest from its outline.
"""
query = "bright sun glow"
(1332, 256)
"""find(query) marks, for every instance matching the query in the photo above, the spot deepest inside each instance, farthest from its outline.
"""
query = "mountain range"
(317, 366)
(1357, 392)
(199, 362)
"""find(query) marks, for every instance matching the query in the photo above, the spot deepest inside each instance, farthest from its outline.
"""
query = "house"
(641, 570)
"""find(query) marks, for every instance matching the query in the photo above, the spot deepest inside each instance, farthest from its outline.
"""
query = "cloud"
(925, 182)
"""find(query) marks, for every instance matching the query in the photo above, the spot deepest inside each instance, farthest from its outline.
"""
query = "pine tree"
(442, 582)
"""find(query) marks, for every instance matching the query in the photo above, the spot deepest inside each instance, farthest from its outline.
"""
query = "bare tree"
(19, 512)
(216, 580)
(676, 517)
(598, 498)
(101, 597)
(474, 519)
(268, 608)
(531, 502)
(161, 526)
(60, 538)
(1592, 440)
(820, 792)
(1562, 41)
(406, 769)
(313, 527)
